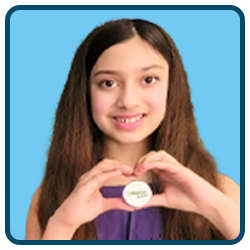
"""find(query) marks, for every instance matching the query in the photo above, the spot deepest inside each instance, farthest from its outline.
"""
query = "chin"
(128, 142)
(129, 139)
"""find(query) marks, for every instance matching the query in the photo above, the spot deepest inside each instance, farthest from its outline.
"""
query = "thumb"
(157, 200)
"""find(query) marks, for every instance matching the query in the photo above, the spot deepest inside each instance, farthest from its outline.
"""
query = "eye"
(108, 84)
(150, 80)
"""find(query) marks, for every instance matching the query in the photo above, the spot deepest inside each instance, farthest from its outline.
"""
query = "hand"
(182, 188)
(86, 202)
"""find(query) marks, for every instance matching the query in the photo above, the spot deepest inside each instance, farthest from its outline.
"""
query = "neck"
(128, 154)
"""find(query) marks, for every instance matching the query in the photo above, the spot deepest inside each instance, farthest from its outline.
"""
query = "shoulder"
(32, 225)
(229, 188)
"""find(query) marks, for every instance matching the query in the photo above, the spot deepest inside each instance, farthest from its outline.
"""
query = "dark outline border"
(125, 7)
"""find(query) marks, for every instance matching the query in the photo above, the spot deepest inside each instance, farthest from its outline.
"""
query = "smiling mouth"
(130, 120)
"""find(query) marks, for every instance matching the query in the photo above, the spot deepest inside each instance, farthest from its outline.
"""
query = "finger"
(98, 181)
(105, 167)
(116, 203)
(157, 165)
(160, 156)
(163, 175)
(142, 159)
(157, 200)
(156, 156)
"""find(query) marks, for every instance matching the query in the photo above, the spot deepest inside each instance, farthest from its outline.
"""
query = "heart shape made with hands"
(180, 187)
(179, 184)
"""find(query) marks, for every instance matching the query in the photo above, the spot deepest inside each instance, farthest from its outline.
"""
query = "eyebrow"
(114, 72)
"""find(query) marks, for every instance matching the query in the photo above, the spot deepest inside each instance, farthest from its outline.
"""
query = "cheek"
(158, 101)
(100, 104)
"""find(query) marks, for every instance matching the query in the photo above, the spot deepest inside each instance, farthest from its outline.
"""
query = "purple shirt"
(143, 224)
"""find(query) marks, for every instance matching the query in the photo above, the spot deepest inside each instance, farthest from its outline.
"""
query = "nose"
(128, 97)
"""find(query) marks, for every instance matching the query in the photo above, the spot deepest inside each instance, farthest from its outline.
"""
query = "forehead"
(129, 55)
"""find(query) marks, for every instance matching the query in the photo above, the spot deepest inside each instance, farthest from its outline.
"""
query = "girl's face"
(129, 85)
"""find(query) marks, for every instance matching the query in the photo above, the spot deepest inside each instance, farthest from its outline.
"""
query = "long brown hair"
(76, 144)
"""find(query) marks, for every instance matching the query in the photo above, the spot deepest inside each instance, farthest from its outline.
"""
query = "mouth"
(129, 118)
(129, 122)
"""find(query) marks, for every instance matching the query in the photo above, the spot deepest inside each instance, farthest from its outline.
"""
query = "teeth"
(132, 120)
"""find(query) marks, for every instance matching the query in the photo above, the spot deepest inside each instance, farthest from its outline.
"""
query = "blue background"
(42, 46)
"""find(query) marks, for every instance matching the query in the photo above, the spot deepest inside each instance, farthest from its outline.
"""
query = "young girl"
(125, 114)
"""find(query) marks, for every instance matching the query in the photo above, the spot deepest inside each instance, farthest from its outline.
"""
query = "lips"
(129, 118)
(129, 122)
